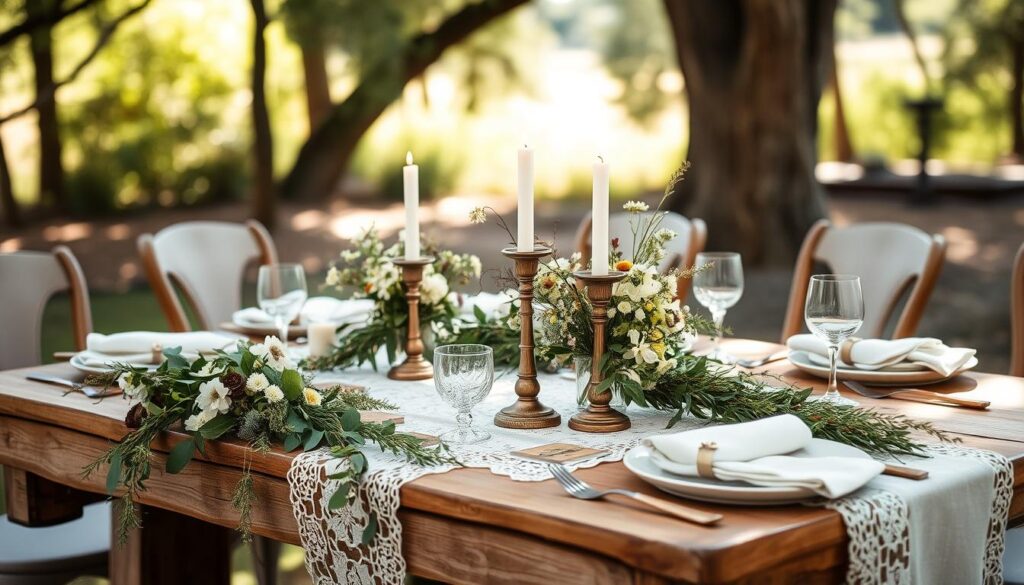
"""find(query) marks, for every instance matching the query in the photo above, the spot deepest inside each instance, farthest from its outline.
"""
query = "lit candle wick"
(408, 158)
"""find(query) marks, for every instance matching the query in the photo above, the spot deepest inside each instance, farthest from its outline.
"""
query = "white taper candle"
(599, 213)
(411, 182)
(524, 191)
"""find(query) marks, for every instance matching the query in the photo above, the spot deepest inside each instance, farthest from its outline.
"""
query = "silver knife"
(74, 386)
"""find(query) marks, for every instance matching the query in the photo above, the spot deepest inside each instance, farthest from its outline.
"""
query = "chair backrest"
(888, 257)
(27, 281)
(1017, 315)
(680, 251)
(207, 261)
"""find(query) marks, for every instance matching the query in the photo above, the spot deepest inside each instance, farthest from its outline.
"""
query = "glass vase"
(583, 365)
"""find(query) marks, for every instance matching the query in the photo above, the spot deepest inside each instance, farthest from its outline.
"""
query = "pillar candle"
(411, 182)
(321, 338)
(524, 190)
(599, 213)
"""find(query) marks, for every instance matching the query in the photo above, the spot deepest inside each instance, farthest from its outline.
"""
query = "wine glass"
(834, 311)
(463, 375)
(281, 292)
(718, 285)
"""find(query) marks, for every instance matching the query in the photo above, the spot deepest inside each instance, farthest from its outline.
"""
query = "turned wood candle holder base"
(415, 366)
(599, 417)
(527, 412)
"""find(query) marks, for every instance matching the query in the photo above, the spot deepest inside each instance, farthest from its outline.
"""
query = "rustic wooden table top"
(469, 525)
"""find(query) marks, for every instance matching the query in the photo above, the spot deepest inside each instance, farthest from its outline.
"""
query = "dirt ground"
(970, 305)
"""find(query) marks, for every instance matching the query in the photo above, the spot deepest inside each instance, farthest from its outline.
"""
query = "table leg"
(36, 501)
(170, 549)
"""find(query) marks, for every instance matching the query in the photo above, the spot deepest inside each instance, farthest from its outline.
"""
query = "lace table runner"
(878, 520)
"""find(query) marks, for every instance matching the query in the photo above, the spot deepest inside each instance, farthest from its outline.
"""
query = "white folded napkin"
(316, 309)
(756, 453)
(492, 304)
(889, 354)
(136, 347)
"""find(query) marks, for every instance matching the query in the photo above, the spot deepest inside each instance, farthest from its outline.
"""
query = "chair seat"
(60, 548)
(1013, 558)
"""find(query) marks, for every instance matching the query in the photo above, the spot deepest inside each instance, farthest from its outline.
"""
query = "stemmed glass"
(718, 285)
(834, 311)
(281, 292)
(463, 375)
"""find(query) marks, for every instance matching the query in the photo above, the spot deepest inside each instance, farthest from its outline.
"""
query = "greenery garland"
(256, 394)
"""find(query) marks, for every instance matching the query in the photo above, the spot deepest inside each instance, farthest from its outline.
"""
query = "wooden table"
(465, 526)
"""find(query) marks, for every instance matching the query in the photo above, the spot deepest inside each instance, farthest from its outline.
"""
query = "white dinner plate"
(801, 360)
(638, 460)
(77, 363)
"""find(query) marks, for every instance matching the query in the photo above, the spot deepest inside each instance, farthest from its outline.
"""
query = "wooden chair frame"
(78, 290)
(698, 237)
(1017, 315)
(921, 290)
(163, 282)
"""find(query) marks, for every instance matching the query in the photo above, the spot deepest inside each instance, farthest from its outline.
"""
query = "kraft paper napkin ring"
(846, 350)
(705, 458)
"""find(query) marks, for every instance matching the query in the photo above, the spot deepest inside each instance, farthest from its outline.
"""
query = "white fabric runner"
(973, 487)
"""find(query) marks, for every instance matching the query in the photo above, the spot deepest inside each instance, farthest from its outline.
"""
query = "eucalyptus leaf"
(291, 442)
(313, 440)
(180, 455)
(114, 473)
(340, 496)
(371, 529)
(216, 427)
(350, 420)
(291, 384)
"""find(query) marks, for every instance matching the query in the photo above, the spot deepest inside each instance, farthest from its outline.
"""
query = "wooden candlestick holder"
(527, 412)
(598, 417)
(415, 366)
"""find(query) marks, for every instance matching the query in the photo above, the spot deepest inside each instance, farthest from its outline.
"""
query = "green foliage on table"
(255, 395)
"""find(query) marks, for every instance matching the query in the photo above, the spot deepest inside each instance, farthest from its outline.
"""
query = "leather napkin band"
(846, 350)
(705, 458)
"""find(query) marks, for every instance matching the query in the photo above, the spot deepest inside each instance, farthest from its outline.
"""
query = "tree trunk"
(841, 140)
(318, 90)
(51, 169)
(263, 191)
(326, 154)
(1017, 99)
(754, 72)
(10, 207)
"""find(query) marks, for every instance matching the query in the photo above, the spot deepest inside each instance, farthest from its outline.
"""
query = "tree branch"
(101, 41)
(34, 22)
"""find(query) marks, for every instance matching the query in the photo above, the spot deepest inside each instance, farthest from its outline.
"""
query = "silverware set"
(89, 391)
(577, 488)
(916, 395)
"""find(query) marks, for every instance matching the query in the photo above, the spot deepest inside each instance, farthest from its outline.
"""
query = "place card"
(380, 417)
(559, 453)
(428, 440)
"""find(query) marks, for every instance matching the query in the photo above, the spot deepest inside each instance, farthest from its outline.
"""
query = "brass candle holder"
(415, 366)
(527, 412)
(598, 417)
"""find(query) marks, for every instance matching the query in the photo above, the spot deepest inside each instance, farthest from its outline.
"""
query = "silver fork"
(757, 363)
(73, 386)
(578, 489)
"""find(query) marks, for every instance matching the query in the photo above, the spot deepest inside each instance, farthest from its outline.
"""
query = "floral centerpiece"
(366, 271)
(254, 395)
(648, 335)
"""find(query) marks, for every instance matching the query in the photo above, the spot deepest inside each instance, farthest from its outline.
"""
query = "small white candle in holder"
(599, 213)
(321, 338)
(524, 190)
(411, 182)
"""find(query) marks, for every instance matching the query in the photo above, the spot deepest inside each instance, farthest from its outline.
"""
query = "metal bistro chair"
(890, 258)
(681, 250)
(206, 260)
(53, 554)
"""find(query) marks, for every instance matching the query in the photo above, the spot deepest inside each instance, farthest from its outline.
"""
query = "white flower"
(612, 312)
(664, 366)
(665, 234)
(478, 215)
(475, 266)
(273, 393)
(197, 420)
(649, 285)
(137, 391)
(350, 255)
(624, 307)
(213, 396)
(210, 369)
(635, 206)
(312, 397)
(433, 289)
(333, 276)
(272, 352)
(639, 314)
(257, 382)
(641, 351)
